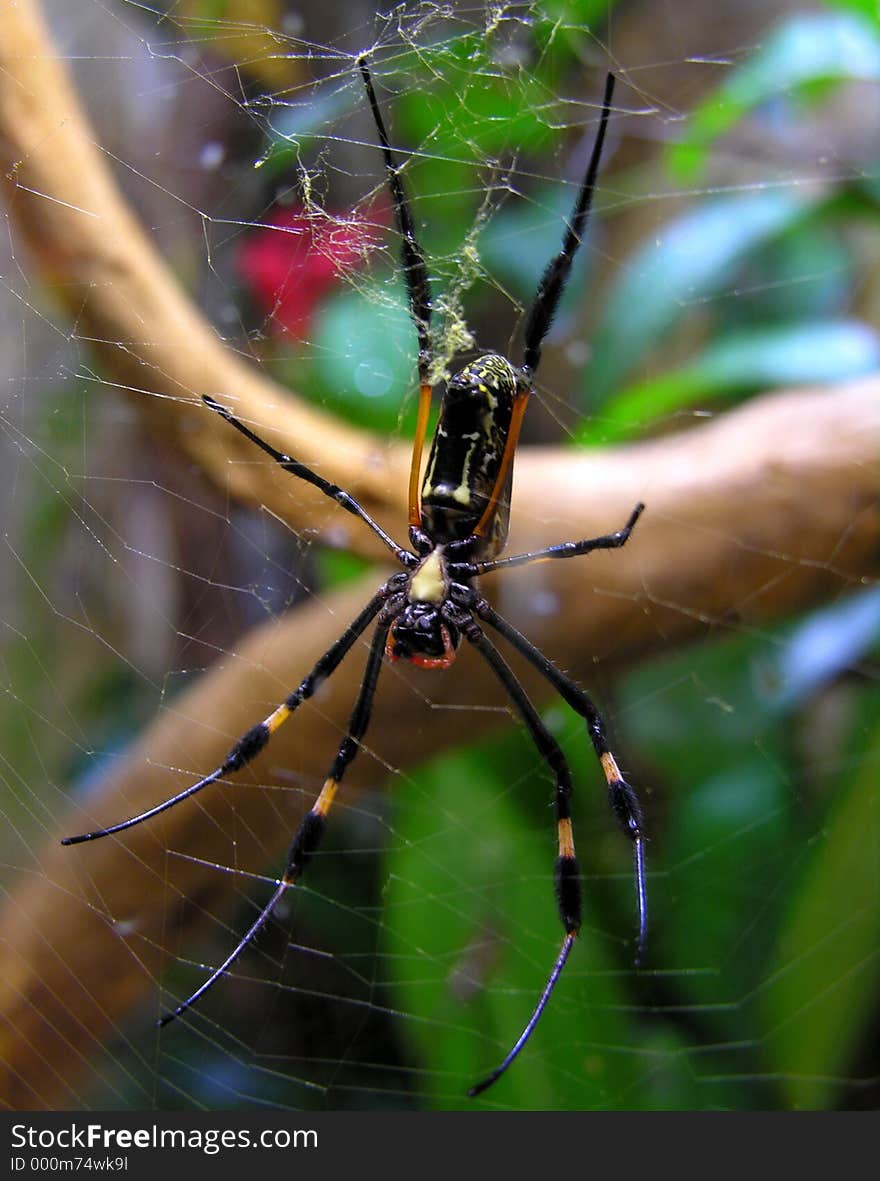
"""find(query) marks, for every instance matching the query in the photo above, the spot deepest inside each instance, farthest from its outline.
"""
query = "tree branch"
(151, 341)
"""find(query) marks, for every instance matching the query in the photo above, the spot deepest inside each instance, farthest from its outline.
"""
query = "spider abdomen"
(467, 450)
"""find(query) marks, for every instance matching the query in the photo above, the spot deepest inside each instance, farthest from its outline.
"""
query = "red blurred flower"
(292, 262)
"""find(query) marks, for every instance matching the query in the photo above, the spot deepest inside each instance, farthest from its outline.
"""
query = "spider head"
(421, 635)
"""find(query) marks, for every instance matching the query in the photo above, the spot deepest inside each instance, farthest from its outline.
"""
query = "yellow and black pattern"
(312, 826)
(468, 448)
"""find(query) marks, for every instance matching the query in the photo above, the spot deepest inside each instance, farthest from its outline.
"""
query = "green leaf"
(757, 359)
(865, 8)
(692, 257)
(806, 273)
(804, 50)
(700, 721)
(364, 357)
(518, 241)
(472, 932)
(453, 115)
(337, 567)
(823, 987)
(569, 14)
(724, 844)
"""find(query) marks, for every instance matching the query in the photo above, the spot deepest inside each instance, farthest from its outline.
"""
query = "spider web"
(409, 960)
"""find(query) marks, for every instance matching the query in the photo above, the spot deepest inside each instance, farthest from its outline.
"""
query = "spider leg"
(543, 309)
(311, 829)
(296, 468)
(418, 288)
(565, 549)
(621, 796)
(567, 871)
(249, 745)
(555, 276)
(486, 1083)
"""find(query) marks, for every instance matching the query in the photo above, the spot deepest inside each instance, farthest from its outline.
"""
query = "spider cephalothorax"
(458, 521)
(419, 632)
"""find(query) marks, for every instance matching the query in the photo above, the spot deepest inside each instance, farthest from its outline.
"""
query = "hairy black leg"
(418, 289)
(296, 468)
(621, 795)
(311, 830)
(555, 276)
(564, 549)
(249, 745)
(415, 271)
(567, 871)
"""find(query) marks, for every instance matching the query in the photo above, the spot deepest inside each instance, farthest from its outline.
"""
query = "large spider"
(458, 520)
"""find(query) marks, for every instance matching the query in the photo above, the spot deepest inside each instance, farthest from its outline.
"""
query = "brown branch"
(771, 508)
(66, 207)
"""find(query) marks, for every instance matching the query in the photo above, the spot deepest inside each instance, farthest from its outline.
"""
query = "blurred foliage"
(741, 363)
(756, 754)
(765, 895)
(761, 243)
(692, 259)
(243, 33)
(795, 62)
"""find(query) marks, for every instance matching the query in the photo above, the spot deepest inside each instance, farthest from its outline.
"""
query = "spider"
(458, 522)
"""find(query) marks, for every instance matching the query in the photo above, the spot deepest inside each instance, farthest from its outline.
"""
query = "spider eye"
(421, 632)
